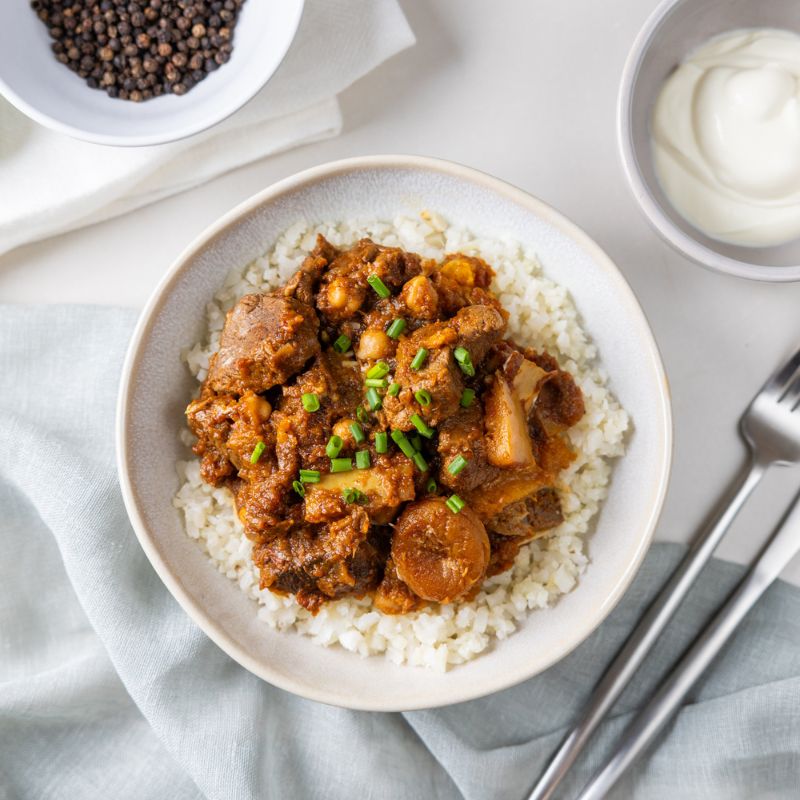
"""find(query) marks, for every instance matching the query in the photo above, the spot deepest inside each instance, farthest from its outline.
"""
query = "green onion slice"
(309, 475)
(362, 459)
(299, 488)
(457, 464)
(361, 414)
(420, 462)
(419, 359)
(381, 442)
(464, 360)
(358, 432)
(334, 446)
(431, 486)
(422, 426)
(310, 402)
(258, 451)
(423, 397)
(399, 438)
(373, 399)
(467, 396)
(379, 370)
(341, 464)
(352, 495)
(342, 344)
(455, 503)
(376, 383)
(396, 328)
(394, 390)
(381, 289)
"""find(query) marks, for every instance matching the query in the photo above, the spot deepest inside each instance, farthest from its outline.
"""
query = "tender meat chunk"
(303, 284)
(536, 513)
(344, 289)
(266, 340)
(321, 562)
(475, 328)
(462, 435)
(506, 487)
(392, 595)
(228, 430)
(386, 486)
(463, 281)
(439, 555)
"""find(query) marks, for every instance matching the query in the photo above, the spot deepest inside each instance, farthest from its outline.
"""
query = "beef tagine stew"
(378, 431)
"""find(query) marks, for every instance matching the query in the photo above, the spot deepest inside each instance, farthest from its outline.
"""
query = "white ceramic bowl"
(51, 94)
(156, 387)
(675, 28)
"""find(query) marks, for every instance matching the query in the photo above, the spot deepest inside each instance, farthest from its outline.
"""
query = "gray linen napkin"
(107, 690)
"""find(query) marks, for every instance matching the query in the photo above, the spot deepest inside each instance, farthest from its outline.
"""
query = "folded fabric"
(108, 690)
(52, 183)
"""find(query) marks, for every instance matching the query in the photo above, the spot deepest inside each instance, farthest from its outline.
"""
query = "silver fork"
(770, 427)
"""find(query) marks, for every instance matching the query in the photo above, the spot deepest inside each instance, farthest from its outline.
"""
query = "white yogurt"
(726, 137)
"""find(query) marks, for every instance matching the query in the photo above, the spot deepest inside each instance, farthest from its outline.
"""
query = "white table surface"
(526, 91)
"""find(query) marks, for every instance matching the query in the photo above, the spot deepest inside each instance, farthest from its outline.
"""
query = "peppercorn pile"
(142, 49)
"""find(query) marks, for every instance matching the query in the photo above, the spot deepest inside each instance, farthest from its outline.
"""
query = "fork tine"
(792, 395)
(781, 378)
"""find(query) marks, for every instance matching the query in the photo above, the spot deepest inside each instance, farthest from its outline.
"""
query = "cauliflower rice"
(543, 316)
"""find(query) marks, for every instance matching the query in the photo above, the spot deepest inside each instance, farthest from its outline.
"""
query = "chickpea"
(420, 295)
(374, 344)
(258, 407)
(344, 297)
(342, 430)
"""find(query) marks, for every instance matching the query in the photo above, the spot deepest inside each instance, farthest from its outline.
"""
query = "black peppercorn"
(138, 49)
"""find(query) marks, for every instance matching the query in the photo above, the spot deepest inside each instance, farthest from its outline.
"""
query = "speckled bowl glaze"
(156, 386)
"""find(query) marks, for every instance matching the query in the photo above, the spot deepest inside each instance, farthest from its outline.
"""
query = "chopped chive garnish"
(342, 344)
(464, 360)
(423, 397)
(310, 402)
(455, 503)
(361, 414)
(373, 399)
(431, 486)
(362, 459)
(396, 328)
(376, 383)
(399, 438)
(419, 359)
(417, 442)
(309, 475)
(467, 396)
(420, 462)
(334, 446)
(341, 464)
(299, 488)
(421, 426)
(352, 495)
(457, 464)
(358, 432)
(394, 389)
(381, 442)
(379, 370)
(381, 289)
(258, 451)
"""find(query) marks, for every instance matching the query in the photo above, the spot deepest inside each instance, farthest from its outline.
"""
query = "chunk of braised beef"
(303, 284)
(265, 341)
(536, 513)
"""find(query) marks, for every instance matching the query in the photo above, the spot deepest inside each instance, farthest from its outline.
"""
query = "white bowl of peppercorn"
(139, 72)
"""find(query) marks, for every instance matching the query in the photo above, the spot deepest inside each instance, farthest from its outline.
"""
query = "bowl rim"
(663, 421)
(145, 140)
(653, 212)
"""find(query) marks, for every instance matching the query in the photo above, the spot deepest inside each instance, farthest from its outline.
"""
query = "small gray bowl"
(674, 29)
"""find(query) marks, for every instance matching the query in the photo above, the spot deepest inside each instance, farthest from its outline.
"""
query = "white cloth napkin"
(51, 183)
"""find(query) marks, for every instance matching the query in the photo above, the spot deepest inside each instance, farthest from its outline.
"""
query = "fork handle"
(783, 546)
(647, 631)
